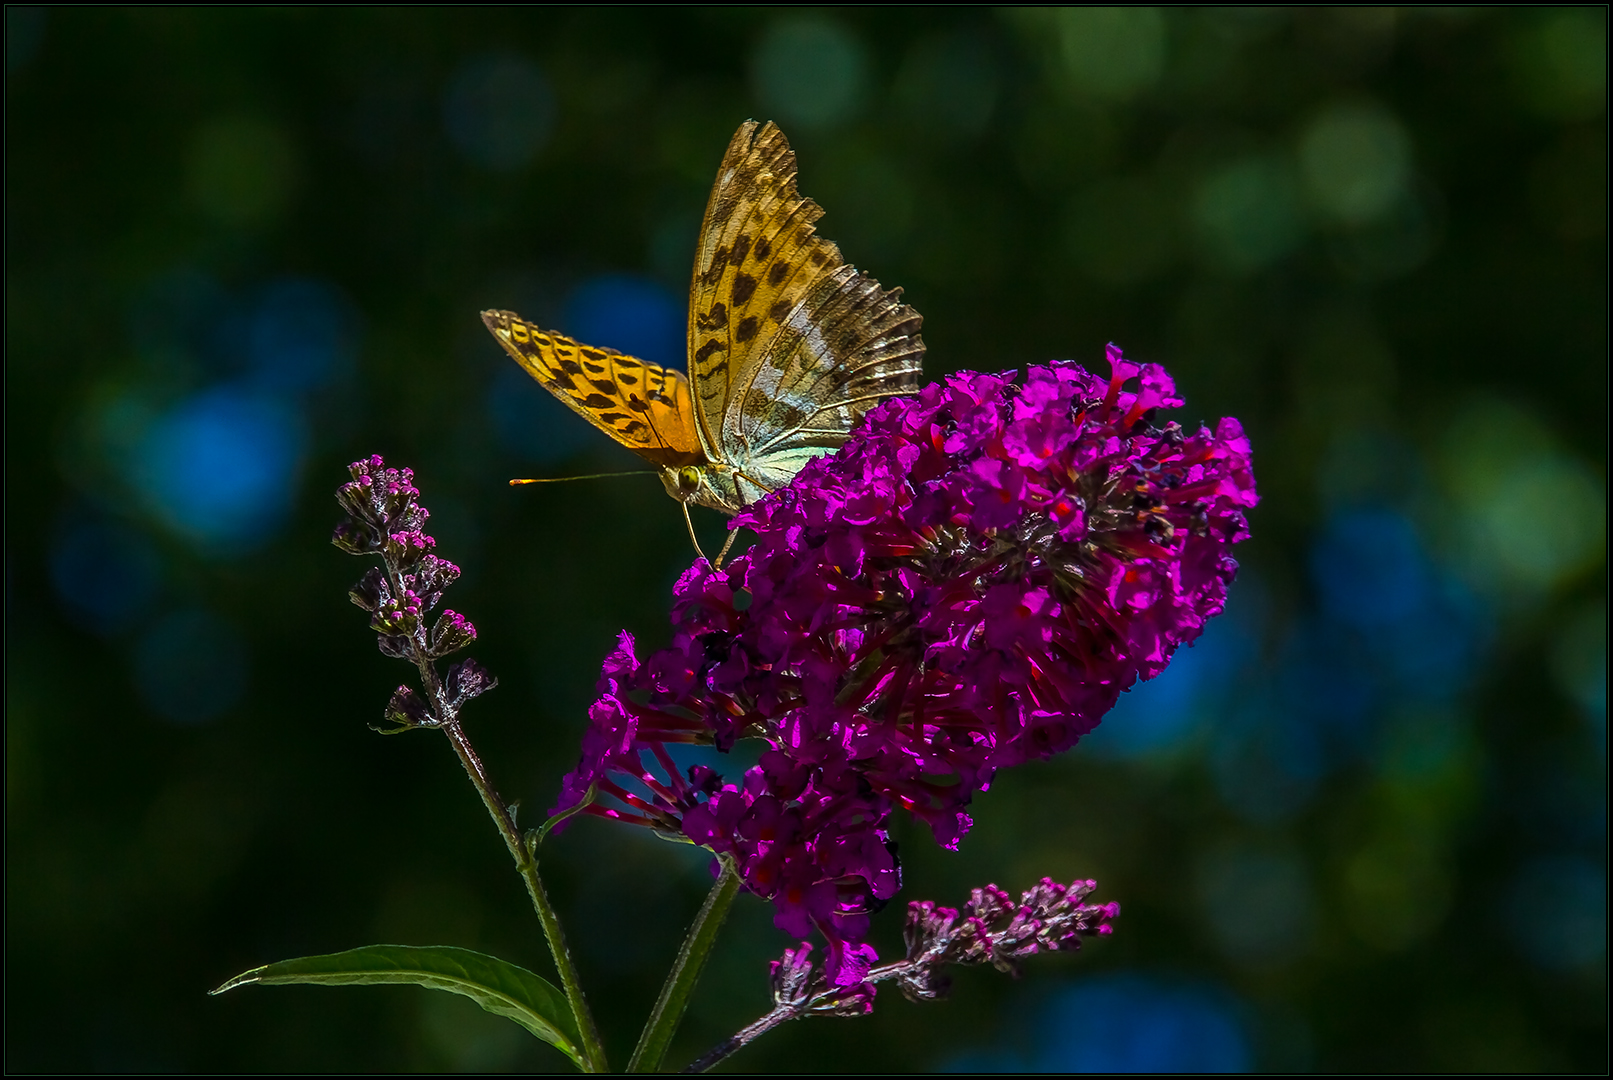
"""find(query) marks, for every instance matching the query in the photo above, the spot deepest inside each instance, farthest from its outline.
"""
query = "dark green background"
(1376, 236)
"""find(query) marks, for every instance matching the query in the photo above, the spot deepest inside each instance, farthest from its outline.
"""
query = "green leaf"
(499, 987)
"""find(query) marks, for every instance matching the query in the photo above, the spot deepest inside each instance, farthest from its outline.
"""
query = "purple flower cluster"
(993, 929)
(968, 584)
(385, 519)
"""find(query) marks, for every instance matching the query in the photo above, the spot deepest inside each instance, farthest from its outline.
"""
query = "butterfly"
(788, 346)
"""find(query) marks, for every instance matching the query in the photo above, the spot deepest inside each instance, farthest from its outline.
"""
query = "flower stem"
(526, 862)
(784, 1011)
(743, 1036)
(680, 981)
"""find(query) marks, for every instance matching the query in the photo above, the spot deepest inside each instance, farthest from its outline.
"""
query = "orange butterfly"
(788, 346)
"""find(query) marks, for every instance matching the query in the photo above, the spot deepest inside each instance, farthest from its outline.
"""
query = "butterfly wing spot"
(743, 289)
(777, 273)
(746, 329)
(715, 319)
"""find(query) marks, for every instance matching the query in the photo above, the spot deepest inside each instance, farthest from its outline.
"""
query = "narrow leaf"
(565, 815)
(499, 987)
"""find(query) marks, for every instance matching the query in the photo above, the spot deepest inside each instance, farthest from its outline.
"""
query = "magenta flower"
(968, 584)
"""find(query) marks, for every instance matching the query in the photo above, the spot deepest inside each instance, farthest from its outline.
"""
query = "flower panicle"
(992, 928)
(968, 584)
(384, 518)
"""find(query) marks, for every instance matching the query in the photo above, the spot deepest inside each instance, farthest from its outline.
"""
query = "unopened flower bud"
(452, 633)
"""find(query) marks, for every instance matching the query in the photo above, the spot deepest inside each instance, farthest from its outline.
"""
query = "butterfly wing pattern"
(788, 345)
(644, 406)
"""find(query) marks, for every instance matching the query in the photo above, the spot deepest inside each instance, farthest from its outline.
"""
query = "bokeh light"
(1562, 904)
(221, 467)
(631, 315)
(1356, 160)
(1248, 213)
(810, 71)
(191, 667)
(1169, 712)
(1112, 53)
(1129, 1024)
(1531, 514)
(106, 572)
(1563, 62)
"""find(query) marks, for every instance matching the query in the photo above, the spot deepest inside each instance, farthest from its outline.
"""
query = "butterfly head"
(706, 485)
(686, 483)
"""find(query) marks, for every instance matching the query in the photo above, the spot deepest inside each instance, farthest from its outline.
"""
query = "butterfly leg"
(687, 520)
(723, 554)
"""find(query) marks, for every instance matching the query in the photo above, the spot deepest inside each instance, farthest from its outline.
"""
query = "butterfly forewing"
(788, 346)
(757, 259)
(644, 406)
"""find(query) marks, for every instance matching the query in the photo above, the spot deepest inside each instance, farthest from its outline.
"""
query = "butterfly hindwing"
(644, 406)
(846, 346)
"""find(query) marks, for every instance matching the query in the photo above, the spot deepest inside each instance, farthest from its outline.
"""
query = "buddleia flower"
(968, 584)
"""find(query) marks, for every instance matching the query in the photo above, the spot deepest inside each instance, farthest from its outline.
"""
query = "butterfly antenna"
(687, 520)
(589, 476)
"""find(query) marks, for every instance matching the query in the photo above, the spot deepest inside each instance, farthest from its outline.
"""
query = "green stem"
(526, 862)
(680, 981)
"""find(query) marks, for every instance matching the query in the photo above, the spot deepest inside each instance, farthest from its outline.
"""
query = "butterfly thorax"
(716, 486)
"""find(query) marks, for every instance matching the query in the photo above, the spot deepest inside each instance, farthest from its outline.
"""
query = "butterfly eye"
(688, 480)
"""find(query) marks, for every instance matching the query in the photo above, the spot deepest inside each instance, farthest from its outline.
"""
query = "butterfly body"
(788, 345)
